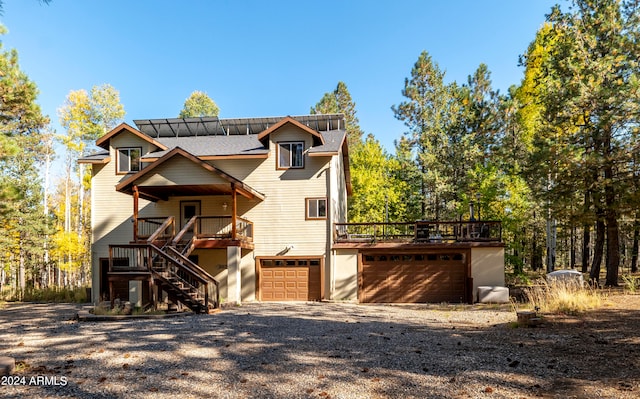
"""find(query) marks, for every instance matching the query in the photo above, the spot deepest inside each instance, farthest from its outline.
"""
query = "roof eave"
(103, 141)
(290, 120)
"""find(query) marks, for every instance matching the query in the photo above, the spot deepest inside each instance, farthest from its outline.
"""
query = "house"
(203, 210)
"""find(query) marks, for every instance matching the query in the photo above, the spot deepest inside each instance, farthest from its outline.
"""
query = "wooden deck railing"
(244, 229)
(216, 227)
(420, 231)
(148, 258)
(162, 229)
(155, 228)
(129, 258)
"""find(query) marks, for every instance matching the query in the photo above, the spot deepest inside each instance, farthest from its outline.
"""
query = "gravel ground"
(323, 350)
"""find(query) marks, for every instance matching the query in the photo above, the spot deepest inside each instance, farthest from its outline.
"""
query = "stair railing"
(164, 233)
(185, 274)
(213, 287)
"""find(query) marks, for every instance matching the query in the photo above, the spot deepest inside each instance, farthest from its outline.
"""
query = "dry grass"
(566, 297)
(50, 295)
(631, 283)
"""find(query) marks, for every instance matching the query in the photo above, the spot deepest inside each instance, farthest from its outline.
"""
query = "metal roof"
(212, 126)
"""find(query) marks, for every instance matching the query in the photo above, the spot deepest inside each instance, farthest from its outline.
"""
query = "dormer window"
(129, 160)
(290, 155)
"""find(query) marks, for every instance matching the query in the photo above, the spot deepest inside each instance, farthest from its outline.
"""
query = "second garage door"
(290, 279)
(413, 278)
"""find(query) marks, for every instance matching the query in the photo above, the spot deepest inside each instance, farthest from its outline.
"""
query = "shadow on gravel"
(317, 350)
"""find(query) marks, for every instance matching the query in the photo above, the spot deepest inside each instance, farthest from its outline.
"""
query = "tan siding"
(180, 170)
(111, 211)
(214, 261)
(248, 270)
(487, 267)
(346, 274)
(279, 220)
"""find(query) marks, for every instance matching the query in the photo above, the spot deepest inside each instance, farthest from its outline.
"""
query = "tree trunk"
(586, 241)
(598, 250)
(22, 283)
(611, 215)
(634, 249)
(586, 232)
(551, 244)
(613, 245)
(572, 260)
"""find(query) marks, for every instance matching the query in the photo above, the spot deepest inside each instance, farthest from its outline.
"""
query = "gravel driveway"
(302, 350)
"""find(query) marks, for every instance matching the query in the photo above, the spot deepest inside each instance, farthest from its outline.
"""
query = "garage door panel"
(295, 281)
(413, 278)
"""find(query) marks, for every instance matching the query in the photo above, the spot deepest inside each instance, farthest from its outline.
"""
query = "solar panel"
(211, 126)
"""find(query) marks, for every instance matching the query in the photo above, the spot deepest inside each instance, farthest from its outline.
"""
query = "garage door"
(290, 279)
(414, 278)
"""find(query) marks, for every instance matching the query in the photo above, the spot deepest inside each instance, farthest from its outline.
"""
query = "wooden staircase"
(183, 280)
(164, 257)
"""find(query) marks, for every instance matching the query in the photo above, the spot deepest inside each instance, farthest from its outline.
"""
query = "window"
(316, 208)
(129, 160)
(290, 155)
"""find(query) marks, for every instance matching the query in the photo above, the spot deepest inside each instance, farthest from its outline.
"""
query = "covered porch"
(195, 204)
(181, 204)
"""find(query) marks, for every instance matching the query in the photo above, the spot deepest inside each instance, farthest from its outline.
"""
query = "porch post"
(136, 196)
(234, 275)
(234, 211)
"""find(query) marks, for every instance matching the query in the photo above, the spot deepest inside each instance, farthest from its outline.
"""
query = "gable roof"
(104, 140)
(244, 189)
(289, 120)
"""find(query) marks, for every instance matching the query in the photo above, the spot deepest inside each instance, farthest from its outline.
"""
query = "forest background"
(555, 158)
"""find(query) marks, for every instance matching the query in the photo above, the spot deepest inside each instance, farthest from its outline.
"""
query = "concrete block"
(493, 294)
(7, 365)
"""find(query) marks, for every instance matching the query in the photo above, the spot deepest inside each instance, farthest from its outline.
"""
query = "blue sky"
(263, 58)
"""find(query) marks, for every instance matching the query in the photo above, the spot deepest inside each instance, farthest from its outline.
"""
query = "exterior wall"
(487, 267)
(180, 170)
(345, 274)
(248, 272)
(212, 205)
(279, 220)
(110, 210)
(214, 261)
(280, 225)
(339, 190)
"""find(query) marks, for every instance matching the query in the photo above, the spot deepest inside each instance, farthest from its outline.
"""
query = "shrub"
(52, 294)
(631, 283)
(563, 297)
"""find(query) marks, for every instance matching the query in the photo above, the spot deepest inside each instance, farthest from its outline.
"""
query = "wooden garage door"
(290, 279)
(414, 278)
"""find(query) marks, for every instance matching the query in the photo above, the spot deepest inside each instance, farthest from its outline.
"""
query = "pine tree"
(591, 99)
(23, 229)
(339, 101)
